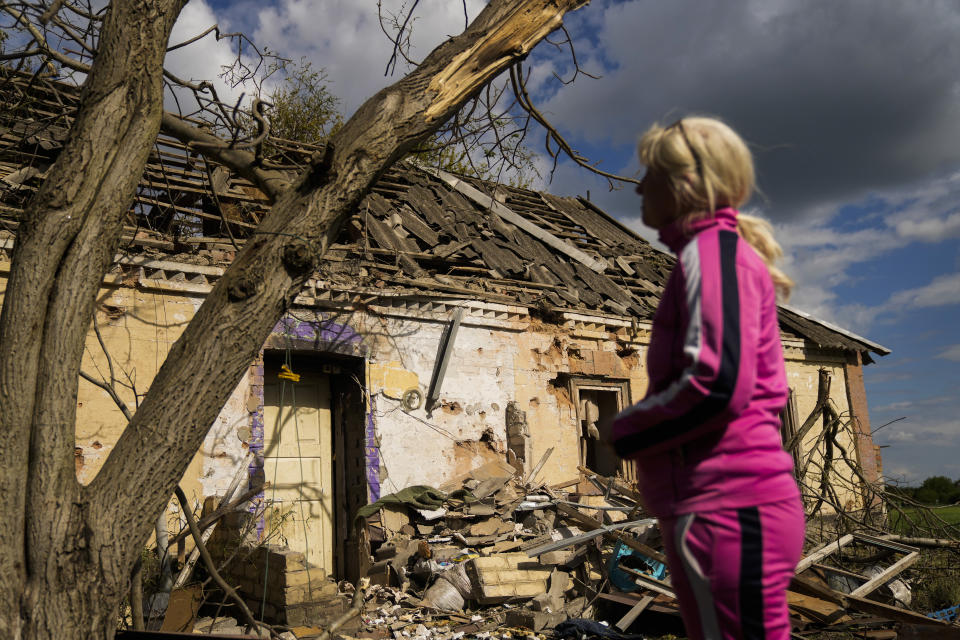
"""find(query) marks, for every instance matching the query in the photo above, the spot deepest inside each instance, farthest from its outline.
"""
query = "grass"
(915, 518)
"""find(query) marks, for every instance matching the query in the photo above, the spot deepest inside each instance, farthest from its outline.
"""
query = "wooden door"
(298, 462)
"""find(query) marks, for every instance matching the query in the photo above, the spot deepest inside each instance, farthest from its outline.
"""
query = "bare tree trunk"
(62, 576)
(66, 552)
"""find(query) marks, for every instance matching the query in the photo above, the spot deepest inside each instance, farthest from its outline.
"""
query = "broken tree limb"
(212, 568)
(823, 396)
(210, 519)
(270, 181)
(922, 542)
(238, 477)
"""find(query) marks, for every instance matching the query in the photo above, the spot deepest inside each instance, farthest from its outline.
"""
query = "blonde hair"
(709, 166)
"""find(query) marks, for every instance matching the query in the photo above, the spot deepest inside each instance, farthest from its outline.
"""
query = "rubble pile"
(494, 555)
(493, 551)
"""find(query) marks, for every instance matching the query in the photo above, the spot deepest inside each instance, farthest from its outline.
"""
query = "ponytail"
(758, 233)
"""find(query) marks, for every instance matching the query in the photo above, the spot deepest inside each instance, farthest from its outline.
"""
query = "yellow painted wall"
(494, 362)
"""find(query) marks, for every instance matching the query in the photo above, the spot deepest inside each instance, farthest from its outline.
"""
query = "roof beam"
(490, 204)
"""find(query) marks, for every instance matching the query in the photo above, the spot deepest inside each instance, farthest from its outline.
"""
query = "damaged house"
(454, 323)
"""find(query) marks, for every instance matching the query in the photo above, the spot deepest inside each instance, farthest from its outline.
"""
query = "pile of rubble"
(494, 555)
(491, 550)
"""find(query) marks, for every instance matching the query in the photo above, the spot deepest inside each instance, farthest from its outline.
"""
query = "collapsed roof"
(420, 232)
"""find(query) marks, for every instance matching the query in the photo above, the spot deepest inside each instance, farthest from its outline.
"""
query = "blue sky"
(852, 109)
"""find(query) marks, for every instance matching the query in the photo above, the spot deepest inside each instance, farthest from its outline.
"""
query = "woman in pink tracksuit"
(706, 437)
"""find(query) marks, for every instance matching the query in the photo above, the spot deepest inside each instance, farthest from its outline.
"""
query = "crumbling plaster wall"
(492, 365)
(468, 424)
(495, 362)
(138, 328)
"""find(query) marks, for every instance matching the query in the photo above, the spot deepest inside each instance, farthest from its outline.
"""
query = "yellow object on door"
(298, 461)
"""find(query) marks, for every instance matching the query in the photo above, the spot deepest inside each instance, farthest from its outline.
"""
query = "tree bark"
(66, 551)
(62, 577)
(209, 358)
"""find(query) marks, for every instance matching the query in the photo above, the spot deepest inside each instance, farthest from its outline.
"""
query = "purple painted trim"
(372, 456)
(257, 440)
(320, 335)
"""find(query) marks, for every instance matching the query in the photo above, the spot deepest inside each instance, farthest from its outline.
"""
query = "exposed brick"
(311, 575)
(286, 559)
(505, 576)
(556, 557)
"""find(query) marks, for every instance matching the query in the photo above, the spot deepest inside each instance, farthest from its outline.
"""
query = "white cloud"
(204, 59)
(838, 99)
(930, 230)
(951, 353)
(943, 290)
(822, 249)
(345, 38)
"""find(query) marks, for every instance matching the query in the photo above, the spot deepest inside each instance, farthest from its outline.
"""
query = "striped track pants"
(731, 568)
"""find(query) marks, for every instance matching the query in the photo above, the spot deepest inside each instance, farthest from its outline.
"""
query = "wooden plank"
(501, 210)
(592, 523)
(651, 584)
(822, 552)
(807, 586)
(889, 574)
(624, 623)
(889, 612)
(816, 609)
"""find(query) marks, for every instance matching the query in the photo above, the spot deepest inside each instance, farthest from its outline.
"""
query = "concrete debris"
(495, 555)
(510, 557)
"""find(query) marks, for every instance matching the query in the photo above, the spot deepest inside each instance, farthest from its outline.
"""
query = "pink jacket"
(707, 434)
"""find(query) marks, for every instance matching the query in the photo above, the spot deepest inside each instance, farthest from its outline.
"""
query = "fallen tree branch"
(212, 568)
(223, 510)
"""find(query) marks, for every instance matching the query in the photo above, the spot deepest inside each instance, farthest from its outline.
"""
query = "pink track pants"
(730, 569)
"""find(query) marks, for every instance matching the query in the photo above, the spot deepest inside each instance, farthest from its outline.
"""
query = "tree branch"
(212, 566)
(212, 354)
(271, 182)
